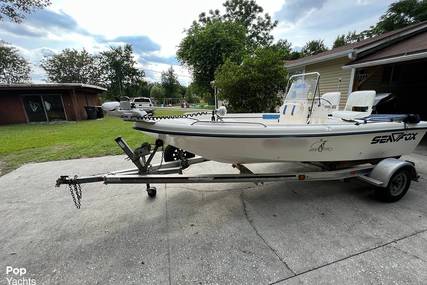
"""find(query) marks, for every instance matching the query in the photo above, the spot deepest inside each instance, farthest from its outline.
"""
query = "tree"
(339, 41)
(191, 95)
(195, 93)
(249, 14)
(206, 47)
(170, 83)
(350, 38)
(284, 47)
(120, 71)
(145, 89)
(295, 55)
(13, 67)
(137, 89)
(399, 15)
(313, 47)
(157, 92)
(253, 85)
(15, 10)
(182, 90)
(72, 65)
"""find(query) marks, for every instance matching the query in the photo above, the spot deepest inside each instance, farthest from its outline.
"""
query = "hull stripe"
(329, 134)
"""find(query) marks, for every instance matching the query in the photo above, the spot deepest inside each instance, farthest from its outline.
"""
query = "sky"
(155, 28)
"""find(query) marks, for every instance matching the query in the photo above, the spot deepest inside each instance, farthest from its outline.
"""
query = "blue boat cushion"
(271, 116)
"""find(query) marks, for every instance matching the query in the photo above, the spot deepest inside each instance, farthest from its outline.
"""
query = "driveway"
(281, 233)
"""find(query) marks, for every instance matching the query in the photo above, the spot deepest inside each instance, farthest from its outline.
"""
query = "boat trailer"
(391, 176)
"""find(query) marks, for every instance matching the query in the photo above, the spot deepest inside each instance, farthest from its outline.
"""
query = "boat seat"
(359, 105)
(333, 98)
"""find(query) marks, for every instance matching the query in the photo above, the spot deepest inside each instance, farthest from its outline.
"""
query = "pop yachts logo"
(394, 137)
(16, 276)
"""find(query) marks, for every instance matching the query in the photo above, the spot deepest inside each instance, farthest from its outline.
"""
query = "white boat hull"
(254, 142)
(322, 149)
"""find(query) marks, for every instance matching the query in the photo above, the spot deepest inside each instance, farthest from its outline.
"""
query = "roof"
(351, 50)
(52, 86)
(415, 45)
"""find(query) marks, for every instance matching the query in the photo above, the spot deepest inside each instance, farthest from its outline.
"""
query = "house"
(25, 103)
(395, 62)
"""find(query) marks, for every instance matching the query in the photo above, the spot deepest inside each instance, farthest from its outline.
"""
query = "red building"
(24, 103)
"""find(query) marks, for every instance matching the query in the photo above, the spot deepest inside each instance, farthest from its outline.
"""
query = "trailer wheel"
(172, 153)
(397, 187)
(152, 192)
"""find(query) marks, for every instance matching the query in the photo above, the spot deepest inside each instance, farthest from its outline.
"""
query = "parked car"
(143, 103)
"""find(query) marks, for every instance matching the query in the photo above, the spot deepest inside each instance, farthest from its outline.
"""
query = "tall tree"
(314, 47)
(170, 83)
(250, 15)
(72, 65)
(400, 14)
(13, 67)
(15, 10)
(253, 85)
(206, 47)
(120, 70)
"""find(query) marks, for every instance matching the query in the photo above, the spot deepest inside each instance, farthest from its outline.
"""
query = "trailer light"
(301, 177)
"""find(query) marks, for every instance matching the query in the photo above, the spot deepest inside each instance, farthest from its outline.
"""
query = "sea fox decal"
(394, 137)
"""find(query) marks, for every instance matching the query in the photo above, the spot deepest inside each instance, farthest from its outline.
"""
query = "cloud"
(43, 24)
(50, 20)
(47, 32)
(140, 44)
(321, 20)
(334, 17)
(171, 60)
(294, 10)
(22, 30)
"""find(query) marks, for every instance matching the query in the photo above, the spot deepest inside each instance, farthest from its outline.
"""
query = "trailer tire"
(397, 186)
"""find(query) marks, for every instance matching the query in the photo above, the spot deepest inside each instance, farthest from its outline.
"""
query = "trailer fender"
(385, 169)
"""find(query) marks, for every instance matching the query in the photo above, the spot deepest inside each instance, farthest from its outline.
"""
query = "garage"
(399, 69)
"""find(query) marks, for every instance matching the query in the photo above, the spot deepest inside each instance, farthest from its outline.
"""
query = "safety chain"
(76, 193)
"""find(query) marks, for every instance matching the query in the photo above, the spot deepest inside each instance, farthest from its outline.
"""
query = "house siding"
(330, 71)
(12, 110)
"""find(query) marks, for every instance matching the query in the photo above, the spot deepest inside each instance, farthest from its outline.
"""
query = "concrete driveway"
(282, 233)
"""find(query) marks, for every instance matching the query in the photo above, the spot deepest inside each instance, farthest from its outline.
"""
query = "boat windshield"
(303, 87)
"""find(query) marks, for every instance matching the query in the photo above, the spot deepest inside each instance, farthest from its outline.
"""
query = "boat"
(309, 127)
(123, 107)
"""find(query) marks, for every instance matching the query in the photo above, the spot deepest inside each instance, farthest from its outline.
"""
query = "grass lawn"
(24, 143)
